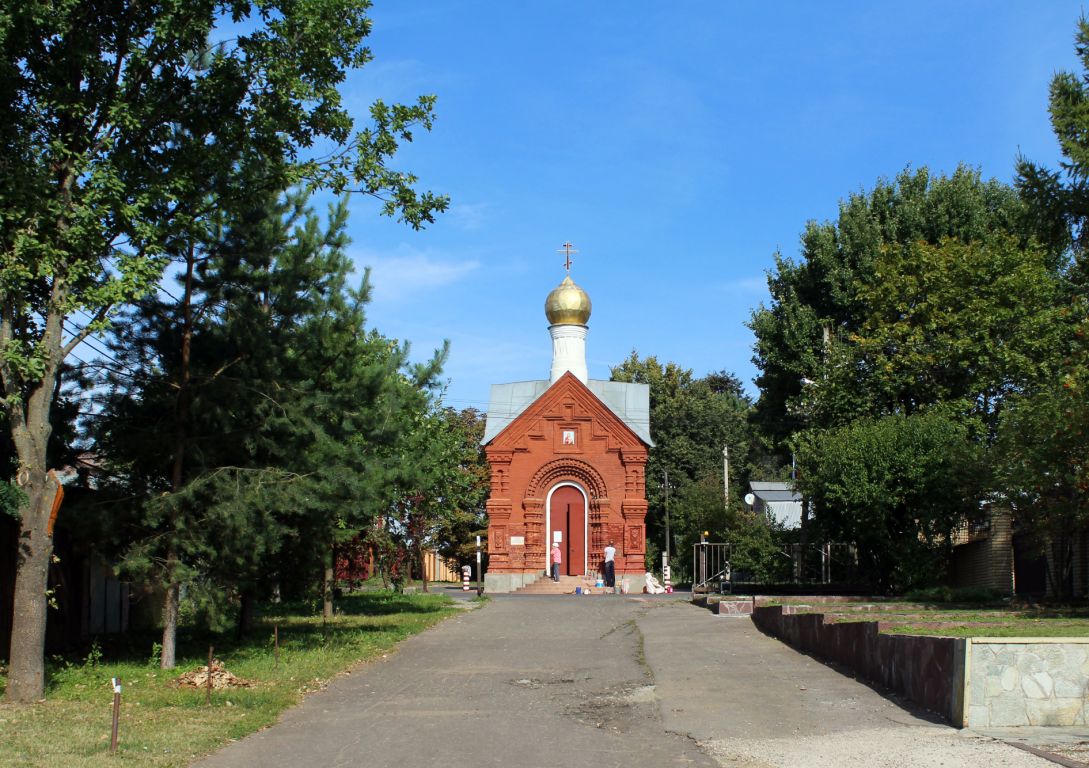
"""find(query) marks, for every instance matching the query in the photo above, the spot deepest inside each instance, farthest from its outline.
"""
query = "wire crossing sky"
(677, 147)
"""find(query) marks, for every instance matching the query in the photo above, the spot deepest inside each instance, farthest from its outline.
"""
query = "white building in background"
(778, 500)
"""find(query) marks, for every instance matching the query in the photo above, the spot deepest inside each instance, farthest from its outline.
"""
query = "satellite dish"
(750, 499)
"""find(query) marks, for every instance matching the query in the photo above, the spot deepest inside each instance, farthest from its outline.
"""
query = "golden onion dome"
(567, 304)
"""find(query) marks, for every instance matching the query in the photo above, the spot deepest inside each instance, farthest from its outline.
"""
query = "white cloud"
(468, 216)
(400, 275)
(754, 287)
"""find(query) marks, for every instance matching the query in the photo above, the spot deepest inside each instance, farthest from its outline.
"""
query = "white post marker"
(116, 714)
(479, 576)
(465, 571)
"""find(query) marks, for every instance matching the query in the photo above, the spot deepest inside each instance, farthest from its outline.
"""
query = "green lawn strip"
(163, 725)
(1012, 628)
(959, 621)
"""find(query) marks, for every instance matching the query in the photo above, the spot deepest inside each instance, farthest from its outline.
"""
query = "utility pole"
(726, 472)
(666, 473)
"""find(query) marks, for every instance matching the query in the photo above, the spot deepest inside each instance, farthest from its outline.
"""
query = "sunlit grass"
(163, 725)
(961, 621)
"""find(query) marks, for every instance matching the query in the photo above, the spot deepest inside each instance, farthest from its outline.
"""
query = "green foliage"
(132, 138)
(465, 480)
(863, 276)
(257, 422)
(1041, 460)
(897, 486)
(12, 498)
(1043, 435)
(1059, 200)
(692, 421)
(889, 352)
(755, 542)
(960, 324)
(105, 168)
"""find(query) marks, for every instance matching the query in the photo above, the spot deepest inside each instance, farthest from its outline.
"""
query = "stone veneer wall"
(1026, 681)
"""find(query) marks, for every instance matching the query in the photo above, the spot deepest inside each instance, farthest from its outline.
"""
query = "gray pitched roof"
(629, 402)
(779, 500)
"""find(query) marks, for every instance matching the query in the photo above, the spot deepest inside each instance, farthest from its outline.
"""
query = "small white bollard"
(465, 571)
(665, 578)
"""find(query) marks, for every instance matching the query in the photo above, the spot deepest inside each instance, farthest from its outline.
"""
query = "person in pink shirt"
(555, 561)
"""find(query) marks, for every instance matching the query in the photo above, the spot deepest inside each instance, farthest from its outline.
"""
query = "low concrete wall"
(1026, 681)
(498, 583)
(923, 669)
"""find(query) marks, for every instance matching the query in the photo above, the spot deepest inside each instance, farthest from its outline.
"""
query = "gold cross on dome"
(567, 249)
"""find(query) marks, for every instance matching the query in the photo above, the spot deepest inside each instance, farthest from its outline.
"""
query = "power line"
(75, 331)
(120, 368)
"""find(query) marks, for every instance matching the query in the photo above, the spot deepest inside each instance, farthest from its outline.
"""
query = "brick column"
(499, 510)
(535, 534)
(633, 538)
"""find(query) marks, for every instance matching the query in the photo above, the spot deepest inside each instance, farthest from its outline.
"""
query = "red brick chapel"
(568, 457)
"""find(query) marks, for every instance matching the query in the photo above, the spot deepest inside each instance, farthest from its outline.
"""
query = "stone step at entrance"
(565, 586)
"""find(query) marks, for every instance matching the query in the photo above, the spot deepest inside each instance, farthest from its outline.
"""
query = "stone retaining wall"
(975, 682)
(1026, 681)
(923, 669)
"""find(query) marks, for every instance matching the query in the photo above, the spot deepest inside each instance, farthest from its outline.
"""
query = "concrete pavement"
(602, 681)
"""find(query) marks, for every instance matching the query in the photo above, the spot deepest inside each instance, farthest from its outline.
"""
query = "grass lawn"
(163, 725)
(947, 620)
(1009, 625)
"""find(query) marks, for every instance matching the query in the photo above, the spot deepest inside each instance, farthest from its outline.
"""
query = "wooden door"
(567, 514)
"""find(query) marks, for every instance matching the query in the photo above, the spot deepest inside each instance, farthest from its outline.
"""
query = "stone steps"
(565, 586)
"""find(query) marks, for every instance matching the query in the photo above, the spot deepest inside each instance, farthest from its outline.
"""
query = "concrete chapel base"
(498, 583)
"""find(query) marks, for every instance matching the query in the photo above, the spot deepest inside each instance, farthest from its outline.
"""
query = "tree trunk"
(327, 585)
(26, 674)
(170, 621)
(423, 568)
(245, 613)
(28, 418)
(177, 470)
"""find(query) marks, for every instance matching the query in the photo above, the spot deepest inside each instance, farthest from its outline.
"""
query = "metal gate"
(825, 563)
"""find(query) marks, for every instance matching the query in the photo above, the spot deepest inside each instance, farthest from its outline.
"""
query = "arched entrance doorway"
(567, 525)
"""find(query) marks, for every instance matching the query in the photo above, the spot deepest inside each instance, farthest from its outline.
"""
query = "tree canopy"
(889, 351)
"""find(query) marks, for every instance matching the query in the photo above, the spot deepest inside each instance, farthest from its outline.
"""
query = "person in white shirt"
(610, 566)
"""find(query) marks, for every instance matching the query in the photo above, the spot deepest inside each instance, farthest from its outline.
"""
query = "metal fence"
(713, 566)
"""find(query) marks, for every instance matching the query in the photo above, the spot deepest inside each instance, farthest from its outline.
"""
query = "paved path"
(601, 681)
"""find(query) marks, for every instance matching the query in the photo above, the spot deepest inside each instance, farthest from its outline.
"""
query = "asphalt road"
(601, 681)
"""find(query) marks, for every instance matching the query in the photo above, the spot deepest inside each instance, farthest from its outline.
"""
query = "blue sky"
(678, 146)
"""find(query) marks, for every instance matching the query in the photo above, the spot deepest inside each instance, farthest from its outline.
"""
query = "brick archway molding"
(571, 470)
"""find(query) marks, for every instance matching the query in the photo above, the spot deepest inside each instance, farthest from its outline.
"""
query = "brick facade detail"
(529, 458)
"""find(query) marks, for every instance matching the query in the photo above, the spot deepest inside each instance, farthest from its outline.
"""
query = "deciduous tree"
(896, 486)
(117, 136)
